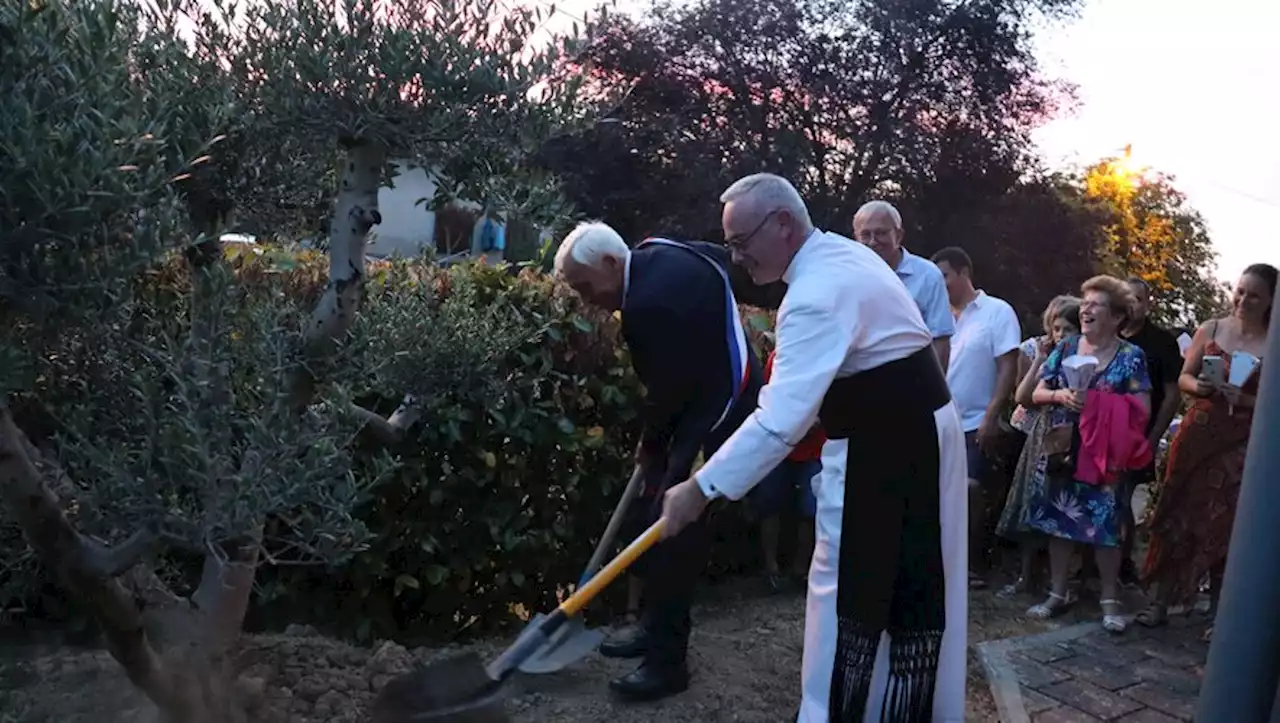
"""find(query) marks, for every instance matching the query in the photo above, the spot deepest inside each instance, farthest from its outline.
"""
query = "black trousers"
(670, 570)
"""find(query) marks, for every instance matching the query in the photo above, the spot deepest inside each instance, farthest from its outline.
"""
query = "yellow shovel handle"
(585, 594)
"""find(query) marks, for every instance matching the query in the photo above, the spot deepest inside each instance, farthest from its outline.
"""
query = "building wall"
(407, 227)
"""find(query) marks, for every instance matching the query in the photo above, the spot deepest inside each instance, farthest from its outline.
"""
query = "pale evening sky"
(1194, 86)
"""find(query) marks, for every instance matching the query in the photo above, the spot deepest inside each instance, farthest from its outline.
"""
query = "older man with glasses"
(885, 626)
(878, 226)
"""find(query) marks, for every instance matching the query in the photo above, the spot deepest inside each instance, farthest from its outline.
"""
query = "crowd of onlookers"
(1062, 427)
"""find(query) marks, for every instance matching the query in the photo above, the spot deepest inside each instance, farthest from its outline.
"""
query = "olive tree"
(216, 424)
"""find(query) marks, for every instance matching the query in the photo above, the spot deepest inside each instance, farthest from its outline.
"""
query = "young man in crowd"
(1164, 364)
(981, 375)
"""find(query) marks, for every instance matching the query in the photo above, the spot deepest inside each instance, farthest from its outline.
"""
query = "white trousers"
(824, 573)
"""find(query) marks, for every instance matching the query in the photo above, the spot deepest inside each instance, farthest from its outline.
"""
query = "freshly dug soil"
(744, 658)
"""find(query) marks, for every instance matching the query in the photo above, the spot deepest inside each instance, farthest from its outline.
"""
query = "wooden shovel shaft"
(537, 635)
(615, 523)
(585, 594)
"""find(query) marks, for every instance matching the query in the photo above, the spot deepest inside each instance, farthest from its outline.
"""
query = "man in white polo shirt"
(981, 375)
(878, 226)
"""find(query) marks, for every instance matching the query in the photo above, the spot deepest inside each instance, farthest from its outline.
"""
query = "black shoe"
(650, 682)
(629, 642)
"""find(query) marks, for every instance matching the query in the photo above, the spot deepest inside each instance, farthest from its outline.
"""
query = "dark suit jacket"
(674, 321)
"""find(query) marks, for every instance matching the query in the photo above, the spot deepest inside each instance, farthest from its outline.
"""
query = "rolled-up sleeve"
(813, 341)
(935, 306)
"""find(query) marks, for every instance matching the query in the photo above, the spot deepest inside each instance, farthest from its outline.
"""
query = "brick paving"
(1082, 674)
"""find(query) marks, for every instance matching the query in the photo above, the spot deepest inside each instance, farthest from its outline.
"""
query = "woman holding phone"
(1191, 524)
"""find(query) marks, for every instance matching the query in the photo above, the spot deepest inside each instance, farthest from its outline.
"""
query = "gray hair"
(769, 193)
(590, 244)
(873, 207)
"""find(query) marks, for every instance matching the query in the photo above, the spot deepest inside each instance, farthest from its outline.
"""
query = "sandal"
(977, 582)
(1152, 616)
(1052, 607)
(1112, 623)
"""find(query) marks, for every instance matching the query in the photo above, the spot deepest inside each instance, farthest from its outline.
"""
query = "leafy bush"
(502, 487)
(491, 504)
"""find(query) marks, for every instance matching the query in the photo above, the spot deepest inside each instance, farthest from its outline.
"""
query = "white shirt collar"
(976, 303)
(790, 273)
(904, 267)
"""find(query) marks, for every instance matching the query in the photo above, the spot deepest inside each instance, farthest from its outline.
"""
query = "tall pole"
(1244, 658)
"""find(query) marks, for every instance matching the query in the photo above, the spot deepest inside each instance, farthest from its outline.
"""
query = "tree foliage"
(207, 417)
(1150, 231)
(845, 99)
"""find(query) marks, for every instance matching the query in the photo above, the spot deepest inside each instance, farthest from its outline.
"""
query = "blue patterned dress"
(1064, 507)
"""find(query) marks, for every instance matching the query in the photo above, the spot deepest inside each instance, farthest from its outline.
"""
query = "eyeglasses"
(740, 243)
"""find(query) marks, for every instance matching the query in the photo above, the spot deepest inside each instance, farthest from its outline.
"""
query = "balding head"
(592, 260)
(765, 222)
(878, 225)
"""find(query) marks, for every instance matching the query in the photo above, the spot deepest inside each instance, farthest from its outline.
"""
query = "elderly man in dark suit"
(680, 322)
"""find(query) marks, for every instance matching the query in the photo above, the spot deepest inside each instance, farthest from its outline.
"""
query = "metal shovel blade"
(571, 643)
(457, 689)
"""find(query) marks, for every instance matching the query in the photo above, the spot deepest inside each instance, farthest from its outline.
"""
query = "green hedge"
(496, 509)
(494, 504)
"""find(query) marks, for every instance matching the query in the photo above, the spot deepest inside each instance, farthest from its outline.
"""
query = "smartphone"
(1214, 369)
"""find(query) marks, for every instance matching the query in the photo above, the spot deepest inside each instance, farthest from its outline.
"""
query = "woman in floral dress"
(1061, 320)
(1069, 511)
(1191, 525)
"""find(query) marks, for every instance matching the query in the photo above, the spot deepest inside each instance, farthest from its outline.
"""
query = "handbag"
(1061, 444)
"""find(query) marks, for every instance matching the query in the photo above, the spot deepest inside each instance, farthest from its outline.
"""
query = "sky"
(1192, 85)
(1195, 87)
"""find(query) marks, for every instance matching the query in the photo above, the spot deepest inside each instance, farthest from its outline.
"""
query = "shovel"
(573, 641)
(462, 689)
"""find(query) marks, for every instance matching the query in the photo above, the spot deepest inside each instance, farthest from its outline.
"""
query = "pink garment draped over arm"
(1113, 437)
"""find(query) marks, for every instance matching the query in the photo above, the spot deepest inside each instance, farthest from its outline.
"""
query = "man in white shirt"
(982, 373)
(878, 226)
(887, 582)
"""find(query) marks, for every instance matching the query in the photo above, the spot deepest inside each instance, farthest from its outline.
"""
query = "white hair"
(873, 207)
(769, 193)
(590, 244)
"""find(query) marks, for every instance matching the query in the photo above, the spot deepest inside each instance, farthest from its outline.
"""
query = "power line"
(1244, 194)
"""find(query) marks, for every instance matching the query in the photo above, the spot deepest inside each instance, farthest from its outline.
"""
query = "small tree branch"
(105, 561)
(60, 546)
(377, 426)
(407, 414)
(390, 430)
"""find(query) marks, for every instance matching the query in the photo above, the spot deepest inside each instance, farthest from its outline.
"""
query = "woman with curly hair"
(1073, 511)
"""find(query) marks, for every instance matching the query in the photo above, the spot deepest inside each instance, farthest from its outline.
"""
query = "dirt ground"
(745, 662)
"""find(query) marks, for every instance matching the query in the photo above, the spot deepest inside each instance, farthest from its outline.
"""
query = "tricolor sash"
(735, 335)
